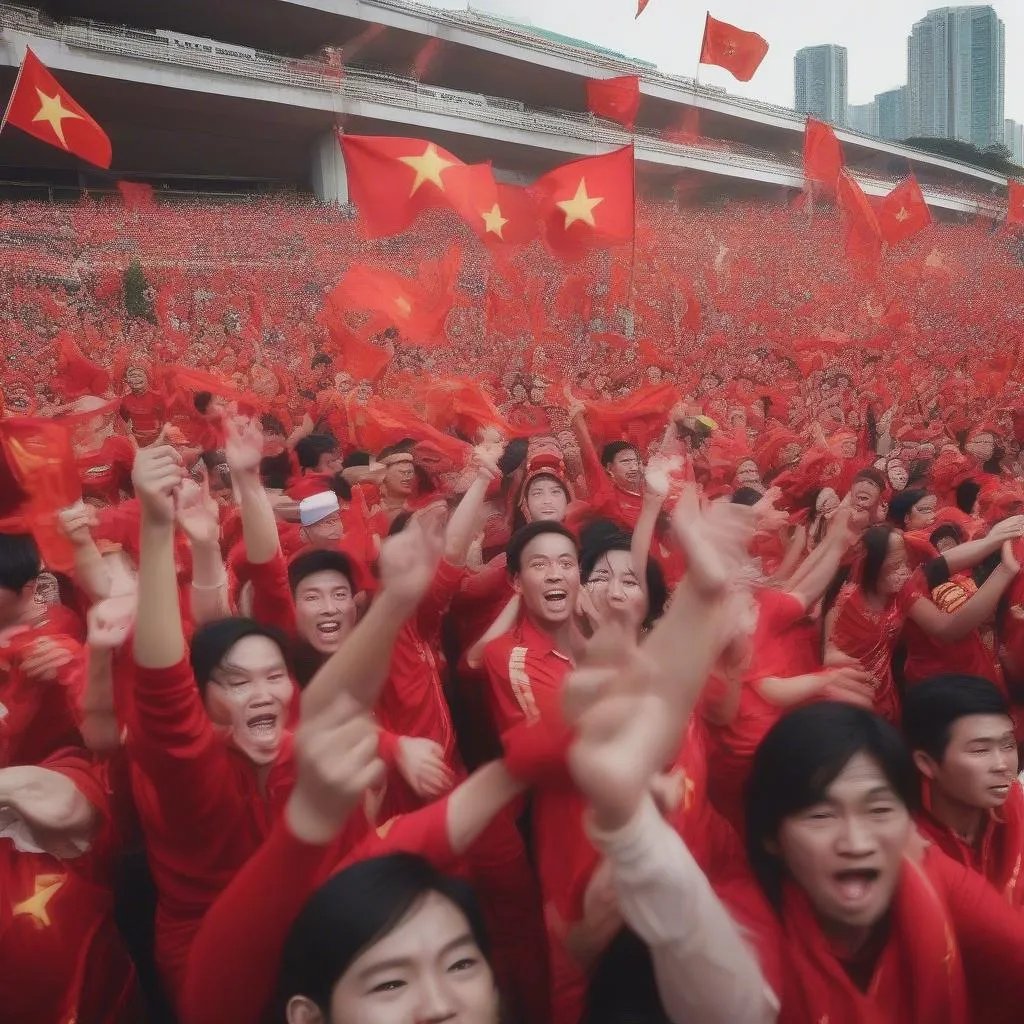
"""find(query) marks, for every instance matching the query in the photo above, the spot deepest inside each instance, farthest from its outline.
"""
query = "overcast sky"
(668, 34)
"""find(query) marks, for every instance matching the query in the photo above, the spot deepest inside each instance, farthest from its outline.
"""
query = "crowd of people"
(645, 645)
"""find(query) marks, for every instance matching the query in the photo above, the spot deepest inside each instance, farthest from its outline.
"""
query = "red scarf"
(999, 854)
(918, 978)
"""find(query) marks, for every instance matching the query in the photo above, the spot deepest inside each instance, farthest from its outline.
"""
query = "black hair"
(201, 400)
(902, 504)
(870, 475)
(528, 533)
(20, 562)
(399, 523)
(341, 487)
(917, 473)
(270, 424)
(514, 455)
(623, 988)
(216, 467)
(966, 495)
(309, 449)
(746, 496)
(319, 561)
(933, 706)
(275, 470)
(601, 536)
(403, 447)
(212, 641)
(614, 448)
(948, 531)
(875, 540)
(797, 762)
(352, 911)
(320, 359)
(356, 458)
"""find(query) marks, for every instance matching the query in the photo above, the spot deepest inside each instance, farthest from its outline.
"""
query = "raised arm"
(198, 516)
(243, 451)
(506, 619)
(967, 556)
(90, 569)
(46, 800)
(657, 483)
(811, 580)
(159, 640)
(110, 623)
(464, 522)
(360, 666)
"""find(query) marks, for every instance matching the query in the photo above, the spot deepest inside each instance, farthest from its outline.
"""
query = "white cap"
(318, 507)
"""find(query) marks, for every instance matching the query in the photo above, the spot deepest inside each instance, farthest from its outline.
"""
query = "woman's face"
(613, 586)
(429, 968)
(922, 515)
(895, 570)
(546, 500)
(846, 851)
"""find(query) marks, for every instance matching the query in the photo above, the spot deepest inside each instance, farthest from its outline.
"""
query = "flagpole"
(700, 56)
(14, 91)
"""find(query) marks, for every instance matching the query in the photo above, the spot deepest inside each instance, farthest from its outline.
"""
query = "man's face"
(136, 379)
(326, 532)
(400, 478)
(325, 610)
(747, 474)
(549, 578)
(898, 476)
(979, 765)
(625, 470)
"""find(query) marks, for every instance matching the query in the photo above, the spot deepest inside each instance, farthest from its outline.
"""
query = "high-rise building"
(820, 78)
(956, 75)
(892, 114)
(1013, 139)
(863, 117)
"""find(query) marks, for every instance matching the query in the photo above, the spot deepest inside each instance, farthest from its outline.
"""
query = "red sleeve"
(387, 747)
(486, 584)
(423, 832)
(507, 710)
(174, 743)
(781, 611)
(438, 597)
(989, 932)
(272, 601)
(236, 956)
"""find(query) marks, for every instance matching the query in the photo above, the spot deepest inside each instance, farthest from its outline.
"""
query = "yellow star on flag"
(580, 207)
(428, 167)
(902, 215)
(493, 220)
(35, 906)
(53, 111)
(404, 308)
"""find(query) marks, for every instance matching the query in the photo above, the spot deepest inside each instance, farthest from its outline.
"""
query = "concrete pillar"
(330, 182)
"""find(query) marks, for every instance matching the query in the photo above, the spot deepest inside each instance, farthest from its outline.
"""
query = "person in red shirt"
(319, 458)
(60, 839)
(961, 734)
(615, 482)
(142, 408)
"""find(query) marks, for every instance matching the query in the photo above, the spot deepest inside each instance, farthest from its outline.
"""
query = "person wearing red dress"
(960, 731)
(142, 408)
(60, 840)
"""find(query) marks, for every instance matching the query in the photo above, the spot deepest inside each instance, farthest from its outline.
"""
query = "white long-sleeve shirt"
(705, 971)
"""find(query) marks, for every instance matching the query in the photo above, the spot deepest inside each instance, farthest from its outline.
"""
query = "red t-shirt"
(145, 412)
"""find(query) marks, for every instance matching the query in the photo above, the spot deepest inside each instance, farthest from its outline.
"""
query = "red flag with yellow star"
(44, 109)
(1015, 212)
(617, 99)
(903, 212)
(588, 203)
(401, 301)
(738, 51)
(392, 180)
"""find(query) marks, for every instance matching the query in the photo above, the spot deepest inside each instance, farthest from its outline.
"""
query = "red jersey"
(107, 472)
(62, 957)
(146, 414)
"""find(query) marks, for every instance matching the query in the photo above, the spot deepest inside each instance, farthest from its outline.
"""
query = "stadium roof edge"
(524, 43)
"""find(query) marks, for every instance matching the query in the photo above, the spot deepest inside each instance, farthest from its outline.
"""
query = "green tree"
(136, 302)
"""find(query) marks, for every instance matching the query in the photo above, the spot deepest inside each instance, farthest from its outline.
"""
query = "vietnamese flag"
(617, 99)
(1015, 211)
(823, 155)
(515, 220)
(79, 375)
(588, 203)
(44, 109)
(729, 47)
(392, 180)
(904, 212)
(863, 233)
(360, 359)
(401, 301)
(39, 455)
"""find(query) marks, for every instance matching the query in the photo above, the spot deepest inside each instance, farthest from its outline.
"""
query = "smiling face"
(428, 968)
(979, 765)
(326, 532)
(546, 499)
(249, 694)
(549, 578)
(846, 851)
(400, 478)
(136, 379)
(325, 610)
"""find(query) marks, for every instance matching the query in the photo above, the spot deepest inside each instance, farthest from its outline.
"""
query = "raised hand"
(658, 475)
(409, 560)
(421, 762)
(110, 621)
(156, 476)
(77, 521)
(485, 460)
(769, 518)
(197, 513)
(46, 659)
(1010, 558)
(337, 762)
(243, 448)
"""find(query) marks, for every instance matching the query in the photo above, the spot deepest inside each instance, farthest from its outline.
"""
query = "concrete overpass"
(236, 112)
